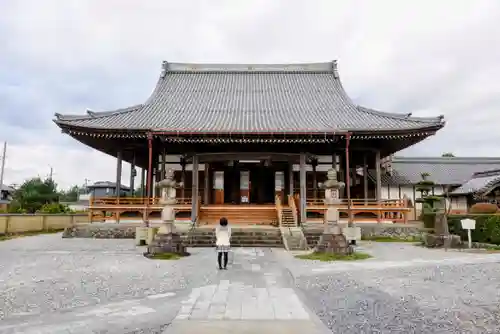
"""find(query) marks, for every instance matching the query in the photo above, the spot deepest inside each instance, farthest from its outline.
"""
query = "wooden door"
(244, 187)
(218, 187)
(279, 185)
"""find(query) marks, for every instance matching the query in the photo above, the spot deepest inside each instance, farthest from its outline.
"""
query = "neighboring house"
(400, 175)
(483, 186)
(6, 193)
(96, 190)
(106, 189)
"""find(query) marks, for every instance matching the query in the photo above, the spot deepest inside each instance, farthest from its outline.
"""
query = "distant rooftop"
(4, 187)
(482, 182)
(442, 170)
(107, 184)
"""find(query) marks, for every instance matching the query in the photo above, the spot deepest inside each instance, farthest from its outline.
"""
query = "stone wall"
(22, 223)
(399, 231)
(101, 231)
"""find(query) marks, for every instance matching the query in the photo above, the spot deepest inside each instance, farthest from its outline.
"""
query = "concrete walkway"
(254, 295)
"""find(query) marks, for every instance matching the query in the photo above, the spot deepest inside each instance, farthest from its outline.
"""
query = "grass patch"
(390, 239)
(9, 236)
(493, 249)
(167, 256)
(326, 257)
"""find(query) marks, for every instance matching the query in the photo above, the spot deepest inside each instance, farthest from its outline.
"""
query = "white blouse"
(222, 235)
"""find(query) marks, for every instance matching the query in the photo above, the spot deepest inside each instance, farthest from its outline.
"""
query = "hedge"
(487, 228)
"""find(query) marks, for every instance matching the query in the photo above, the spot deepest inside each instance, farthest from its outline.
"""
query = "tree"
(139, 192)
(71, 195)
(33, 194)
(448, 155)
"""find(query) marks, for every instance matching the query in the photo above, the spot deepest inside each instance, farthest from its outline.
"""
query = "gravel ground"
(54, 285)
(447, 294)
(46, 274)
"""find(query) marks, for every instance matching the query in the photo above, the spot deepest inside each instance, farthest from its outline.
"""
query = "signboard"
(218, 180)
(244, 180)
(279, 181)
(468, 224)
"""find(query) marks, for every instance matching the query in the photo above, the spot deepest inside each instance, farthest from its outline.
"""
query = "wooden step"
(239, 214)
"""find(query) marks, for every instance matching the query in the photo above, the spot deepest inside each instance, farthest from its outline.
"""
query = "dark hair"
(223, 221)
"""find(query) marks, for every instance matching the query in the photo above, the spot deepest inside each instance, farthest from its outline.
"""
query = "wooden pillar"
(149, 181)
(183, 176)
(290, 178)
(194, 195)
(132, 176)
(378, 176)
(143, 182)
(119, 156)
(341, 174)
(315, 181)
(206, 187)
(303, 199)
(365, 179)
(163, 165)
(348, 179)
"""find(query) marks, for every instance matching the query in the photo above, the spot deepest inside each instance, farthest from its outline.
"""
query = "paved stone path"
(254, 291)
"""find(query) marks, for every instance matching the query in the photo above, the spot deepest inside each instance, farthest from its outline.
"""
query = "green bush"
(54, 208)
(428, 219)
(483, 208)
(487, 228)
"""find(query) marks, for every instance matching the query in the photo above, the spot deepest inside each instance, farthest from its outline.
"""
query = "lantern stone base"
(166, 243)
(442, 241)
(334, 243)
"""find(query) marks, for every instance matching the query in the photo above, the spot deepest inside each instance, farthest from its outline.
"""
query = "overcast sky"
(425, 57)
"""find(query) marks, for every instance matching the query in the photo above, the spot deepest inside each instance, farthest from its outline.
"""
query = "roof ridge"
(446, 160)
(99, 114)
(401, 116)
(330, 66)
(486, 173)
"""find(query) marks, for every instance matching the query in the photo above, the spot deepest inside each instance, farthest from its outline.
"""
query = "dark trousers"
(219, 259)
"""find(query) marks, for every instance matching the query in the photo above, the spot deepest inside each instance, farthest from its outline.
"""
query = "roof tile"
(250, 98)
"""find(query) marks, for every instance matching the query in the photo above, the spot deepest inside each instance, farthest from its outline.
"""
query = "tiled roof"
(480, 183)
(250, 98)
(107, 184)
(442, 170)
(6, 188)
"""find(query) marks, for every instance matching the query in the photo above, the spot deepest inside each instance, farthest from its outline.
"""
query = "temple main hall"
(252, 142)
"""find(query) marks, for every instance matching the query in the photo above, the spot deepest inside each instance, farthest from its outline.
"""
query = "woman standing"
(222, 243)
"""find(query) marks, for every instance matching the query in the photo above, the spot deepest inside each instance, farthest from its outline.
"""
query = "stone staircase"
(204, 236)
(293, 238)
(312, 235)
(287, 218)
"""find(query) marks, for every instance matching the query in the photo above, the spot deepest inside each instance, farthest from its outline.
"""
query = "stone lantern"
(167, 240)
(332, 240)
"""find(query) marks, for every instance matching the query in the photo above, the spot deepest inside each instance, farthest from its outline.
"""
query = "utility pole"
(4, 156)
(51, 173)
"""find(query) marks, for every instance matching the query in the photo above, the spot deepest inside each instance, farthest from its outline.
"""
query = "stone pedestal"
(332, 240)
(334, 243)
(167, 243)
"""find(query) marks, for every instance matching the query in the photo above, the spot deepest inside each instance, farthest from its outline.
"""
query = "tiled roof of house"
(231, 98)
(442, 170)
(4, 187)
(479, 183)
(106, 184)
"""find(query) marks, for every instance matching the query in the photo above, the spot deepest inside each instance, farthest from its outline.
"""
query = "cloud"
(424, 57)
